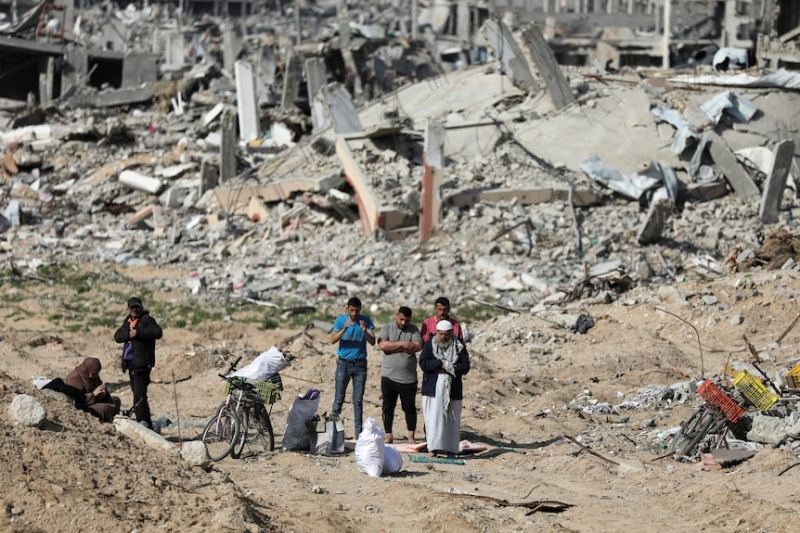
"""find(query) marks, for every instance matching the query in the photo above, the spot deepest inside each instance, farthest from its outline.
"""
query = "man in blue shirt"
(352, 331)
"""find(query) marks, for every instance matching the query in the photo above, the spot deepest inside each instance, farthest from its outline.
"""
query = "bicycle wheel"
(709, 421)
(221, 434)
(245, 425)
(258, 433)
(264, 439)
(687, 432)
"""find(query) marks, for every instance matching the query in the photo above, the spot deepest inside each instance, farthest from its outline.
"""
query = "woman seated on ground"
(86, 378)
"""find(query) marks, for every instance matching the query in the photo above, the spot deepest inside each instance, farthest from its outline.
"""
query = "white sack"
(370, 449)
(264, 366)
(392, 461)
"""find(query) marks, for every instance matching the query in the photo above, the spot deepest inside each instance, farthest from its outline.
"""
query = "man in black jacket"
(138, 335)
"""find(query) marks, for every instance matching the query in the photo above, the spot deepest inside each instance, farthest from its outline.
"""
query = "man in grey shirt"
(400, 343)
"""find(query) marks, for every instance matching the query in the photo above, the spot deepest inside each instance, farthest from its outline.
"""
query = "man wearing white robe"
(444, 359)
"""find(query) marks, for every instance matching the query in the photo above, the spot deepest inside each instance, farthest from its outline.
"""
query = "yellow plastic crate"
(793, 378)
(269, 392)
(755, 391)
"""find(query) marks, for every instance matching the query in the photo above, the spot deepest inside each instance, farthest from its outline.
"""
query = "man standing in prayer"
(352, 331)
(442, 312)
(444, 359)
(400, 343)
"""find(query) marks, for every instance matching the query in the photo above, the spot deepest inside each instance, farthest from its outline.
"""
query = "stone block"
(27, 410)
(195, 453)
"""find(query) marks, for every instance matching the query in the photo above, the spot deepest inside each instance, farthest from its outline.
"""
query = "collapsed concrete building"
(230, 146)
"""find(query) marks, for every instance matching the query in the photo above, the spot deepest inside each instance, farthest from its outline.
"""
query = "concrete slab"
(469, 138)
(235, 200)
(469, 92)
(776, 182)
(727, 165)
(580, 132)
(341, 109)
(557, 84)
(368, 206)
(293, 74)
(246, 101)
(655, 222)
(315, 76)
(114, 97)
(508, 51)
(138, 69)
(523, 197)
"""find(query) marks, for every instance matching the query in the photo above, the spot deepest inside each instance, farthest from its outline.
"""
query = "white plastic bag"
(370, 449)
(264, 366)
(304, 408)
(392, 461)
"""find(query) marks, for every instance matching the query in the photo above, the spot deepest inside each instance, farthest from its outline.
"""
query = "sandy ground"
(77, 474)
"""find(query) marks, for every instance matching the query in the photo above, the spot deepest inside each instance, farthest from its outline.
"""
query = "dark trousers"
(407, 392)
(140, 379)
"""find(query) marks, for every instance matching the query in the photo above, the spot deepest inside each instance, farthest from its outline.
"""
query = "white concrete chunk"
(136, 431)
(27, 411)
(195, 453)
(140, 182)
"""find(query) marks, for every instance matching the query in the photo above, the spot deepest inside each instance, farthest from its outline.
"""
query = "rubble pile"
(477, 184)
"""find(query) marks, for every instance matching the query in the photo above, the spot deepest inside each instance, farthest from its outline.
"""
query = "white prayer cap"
(444, 325)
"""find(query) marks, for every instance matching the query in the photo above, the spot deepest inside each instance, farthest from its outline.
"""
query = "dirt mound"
(77, 474)
(529, 384)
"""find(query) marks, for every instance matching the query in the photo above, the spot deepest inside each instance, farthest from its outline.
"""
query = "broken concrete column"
(174, 55)
(556, 82)
(315, 76)
(246, 101)
(209, 177)
(462, 22)
(343, 18)
(227, 147)
(776, 182)
(46, 81)
(231, 46)
(655, 222)
(727, 165)
(136, 431)
(432, 178)
(509, 53)
(292, 75)
(549, 28)
(140, 182)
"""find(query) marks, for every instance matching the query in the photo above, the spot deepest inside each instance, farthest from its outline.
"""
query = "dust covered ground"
(76, 474)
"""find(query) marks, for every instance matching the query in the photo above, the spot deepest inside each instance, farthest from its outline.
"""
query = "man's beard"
(445, 344)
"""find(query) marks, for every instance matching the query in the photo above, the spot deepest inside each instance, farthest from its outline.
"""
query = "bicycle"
(241, 418)
(707, 421)
(721, 412)
(255, 426)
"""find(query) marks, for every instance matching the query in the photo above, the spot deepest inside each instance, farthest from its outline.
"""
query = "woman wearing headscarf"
(444, 359)
(86, 378)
